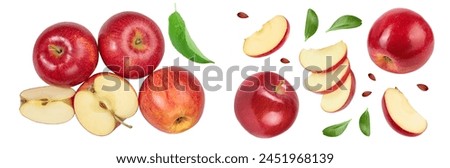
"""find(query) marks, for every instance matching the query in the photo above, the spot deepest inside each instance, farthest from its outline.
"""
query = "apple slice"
(103, 102)
(268, 39)
(327, 82)
(340, 98)
(47, 104)
(324, 59)
(400, 115)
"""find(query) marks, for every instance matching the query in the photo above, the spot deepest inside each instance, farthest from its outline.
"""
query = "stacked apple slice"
(330, 75)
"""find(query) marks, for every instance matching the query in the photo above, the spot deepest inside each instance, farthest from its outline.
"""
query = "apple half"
(400, 115)
(324, 59)
(268, 39)
(327, 82)
(47, 104)
(340, 98)
(103, 102)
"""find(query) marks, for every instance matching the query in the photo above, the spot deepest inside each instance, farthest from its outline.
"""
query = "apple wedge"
(268, 39)
(327, 82)
(400, 115)
(47, 104)
(103, 102)
(340, 98)
(324, 59)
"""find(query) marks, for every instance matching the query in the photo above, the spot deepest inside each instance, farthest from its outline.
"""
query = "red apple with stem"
(131, 44)
(65, 54)
(172, 99)
(400, 41)
(266, 104)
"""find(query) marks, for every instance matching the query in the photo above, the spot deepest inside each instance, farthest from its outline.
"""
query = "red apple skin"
(131, 44)
(65, 54)
(279, 45)
(170, 94)
(400, 41)
(263, 110)
(392, 123)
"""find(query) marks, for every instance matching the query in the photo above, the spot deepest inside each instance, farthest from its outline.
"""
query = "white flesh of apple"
(402, 113)
(335, 100)
(99, 108)
(318, 60)
(267, 38)
(47, 104)
(319, 82)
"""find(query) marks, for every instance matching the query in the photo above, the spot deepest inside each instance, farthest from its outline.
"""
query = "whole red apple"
(266, 105)
(131, 44)
(65, 54)
(400, 41)
(172, 99)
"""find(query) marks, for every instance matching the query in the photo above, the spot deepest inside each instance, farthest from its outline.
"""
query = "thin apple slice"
(104, 102)
(324, 59)
(400, 115)
(327, 82)
(47, 104)
(340, 98)
(268, 39)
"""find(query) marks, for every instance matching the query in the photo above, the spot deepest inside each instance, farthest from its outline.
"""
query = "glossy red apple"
(172, 99)
(400, 41)
(131, 44)
(65, 54)
(266, 104)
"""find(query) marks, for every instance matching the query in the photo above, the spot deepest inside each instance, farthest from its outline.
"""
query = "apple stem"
(387, 59)
(122, 122)
(117, 118)
(56, 49)
(138, 41)
(280, 88)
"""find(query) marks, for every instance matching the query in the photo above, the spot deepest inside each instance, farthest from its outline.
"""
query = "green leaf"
(182, 41)
(345, 22)
(364, 123)
(336, 129)
(312, 23)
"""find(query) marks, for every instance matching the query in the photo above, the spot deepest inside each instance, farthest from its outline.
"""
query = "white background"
(219, 33)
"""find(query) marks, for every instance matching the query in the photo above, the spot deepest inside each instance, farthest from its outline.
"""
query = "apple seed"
(284, 60)
(372, 77)
(366, 93)
(422, 87)
(242, 15)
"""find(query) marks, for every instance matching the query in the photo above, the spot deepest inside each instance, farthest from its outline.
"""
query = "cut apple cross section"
(340, 98)
(327, 82)
(400, 115)
(268, 39)
(104, 102)
(324, 59)
(47, 104)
